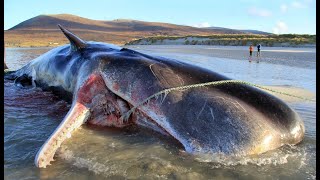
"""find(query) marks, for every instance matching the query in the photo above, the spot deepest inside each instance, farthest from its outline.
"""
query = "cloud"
(295, 5)
(299, 5)
(284, 8)
(202, 25)
(259, 12)
(280, 28)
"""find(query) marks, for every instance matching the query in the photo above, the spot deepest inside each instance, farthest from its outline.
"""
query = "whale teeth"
(78, 116)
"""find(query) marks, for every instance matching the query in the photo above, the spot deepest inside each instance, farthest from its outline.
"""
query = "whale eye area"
(24, 81)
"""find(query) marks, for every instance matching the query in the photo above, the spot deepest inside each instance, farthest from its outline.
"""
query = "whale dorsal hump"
(75, 42)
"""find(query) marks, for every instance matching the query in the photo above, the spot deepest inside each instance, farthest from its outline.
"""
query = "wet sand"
(303, 93)
(273, 55)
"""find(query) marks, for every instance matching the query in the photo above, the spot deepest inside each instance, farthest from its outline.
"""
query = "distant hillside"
(243, 31)
(256, 32)
(49, 22)
(43, 31)
(272, 40)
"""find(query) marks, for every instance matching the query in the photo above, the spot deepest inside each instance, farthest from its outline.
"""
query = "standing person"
(258, 52)
(250, 50)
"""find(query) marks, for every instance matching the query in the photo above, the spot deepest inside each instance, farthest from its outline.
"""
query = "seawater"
(31, 115)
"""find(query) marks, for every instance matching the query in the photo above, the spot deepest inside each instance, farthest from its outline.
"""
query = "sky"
(275, 16)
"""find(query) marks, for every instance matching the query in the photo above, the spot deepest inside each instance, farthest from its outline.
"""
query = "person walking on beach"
(258, 52)
(250, 51)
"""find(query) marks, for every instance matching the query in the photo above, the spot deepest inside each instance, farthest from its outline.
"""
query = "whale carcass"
(103, 82)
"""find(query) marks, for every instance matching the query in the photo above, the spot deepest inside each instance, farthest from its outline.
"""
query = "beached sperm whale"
(105, 81)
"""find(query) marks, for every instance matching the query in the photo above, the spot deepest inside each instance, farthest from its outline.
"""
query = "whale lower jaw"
(73, 120)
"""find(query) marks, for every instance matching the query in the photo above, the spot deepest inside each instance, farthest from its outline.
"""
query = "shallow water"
(31, 115)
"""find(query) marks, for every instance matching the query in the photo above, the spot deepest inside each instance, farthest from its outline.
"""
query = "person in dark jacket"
(258, 52)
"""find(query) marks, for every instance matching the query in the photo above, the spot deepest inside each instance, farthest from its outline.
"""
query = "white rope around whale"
(214, 83)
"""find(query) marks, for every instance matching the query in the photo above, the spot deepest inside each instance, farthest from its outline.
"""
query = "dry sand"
(291, 90)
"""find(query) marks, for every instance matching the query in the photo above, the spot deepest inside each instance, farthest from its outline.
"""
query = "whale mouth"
(96, 104)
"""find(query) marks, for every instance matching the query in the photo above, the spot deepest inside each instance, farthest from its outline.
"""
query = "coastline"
(285, 40)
